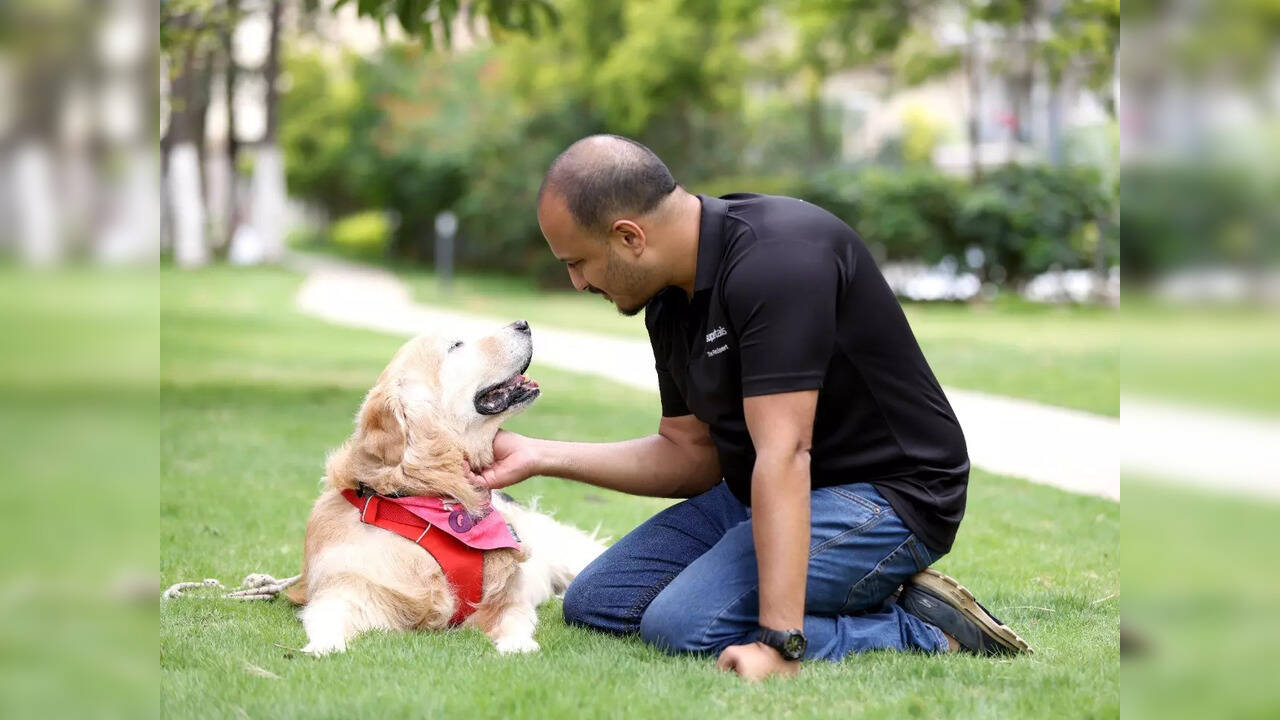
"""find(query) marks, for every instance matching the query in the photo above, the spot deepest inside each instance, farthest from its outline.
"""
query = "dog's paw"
(508, 646)
(319, 648)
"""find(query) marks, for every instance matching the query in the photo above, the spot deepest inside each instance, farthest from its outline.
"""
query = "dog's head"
(435, 407)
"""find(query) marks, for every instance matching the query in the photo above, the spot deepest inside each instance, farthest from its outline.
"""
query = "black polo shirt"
(787, 297)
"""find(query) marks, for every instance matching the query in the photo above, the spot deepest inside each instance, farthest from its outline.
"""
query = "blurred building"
(1018, 114)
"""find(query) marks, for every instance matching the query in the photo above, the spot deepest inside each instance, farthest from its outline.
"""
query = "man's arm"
(781, 427)
(679, 461)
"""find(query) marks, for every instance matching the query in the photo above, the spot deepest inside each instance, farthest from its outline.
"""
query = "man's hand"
(514, 460)
(756, 662)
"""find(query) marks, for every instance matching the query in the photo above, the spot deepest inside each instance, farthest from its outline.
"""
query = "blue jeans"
(686, 579)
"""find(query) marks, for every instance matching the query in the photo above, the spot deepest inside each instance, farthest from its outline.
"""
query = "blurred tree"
(415, 131)
(1083, 43)
(832, 35)
(670, 73)
(405, 131)
(189, 30)
(230, 81)
(324, 120)
(269, 193)
(432, 21)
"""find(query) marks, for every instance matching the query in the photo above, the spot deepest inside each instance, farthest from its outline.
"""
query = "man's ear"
(629, 235)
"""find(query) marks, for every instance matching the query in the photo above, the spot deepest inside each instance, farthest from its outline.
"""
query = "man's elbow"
(788, 460)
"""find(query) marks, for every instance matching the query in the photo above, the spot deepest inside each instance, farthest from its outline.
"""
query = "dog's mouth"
(500, 397)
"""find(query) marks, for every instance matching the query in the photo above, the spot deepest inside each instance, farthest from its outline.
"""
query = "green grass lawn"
(1067, 356)
(253, 395)
(1221, 356)
(1195, 597)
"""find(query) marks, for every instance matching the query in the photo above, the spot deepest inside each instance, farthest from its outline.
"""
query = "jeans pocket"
(854, 494)
(837, 513)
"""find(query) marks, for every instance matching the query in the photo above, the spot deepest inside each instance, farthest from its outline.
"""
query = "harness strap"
(463, 566)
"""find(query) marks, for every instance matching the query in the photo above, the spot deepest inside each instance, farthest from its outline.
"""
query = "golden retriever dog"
(434, 409)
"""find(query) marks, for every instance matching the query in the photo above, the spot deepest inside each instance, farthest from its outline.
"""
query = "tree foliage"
(432, 21)
(416, 131)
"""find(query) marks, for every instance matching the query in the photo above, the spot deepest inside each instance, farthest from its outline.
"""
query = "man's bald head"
(603, 177)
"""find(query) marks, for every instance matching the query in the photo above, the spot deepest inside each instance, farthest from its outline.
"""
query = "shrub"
(1029, 219)
(763, 184)
(1026, 219)
(900, 214)
(363, 234)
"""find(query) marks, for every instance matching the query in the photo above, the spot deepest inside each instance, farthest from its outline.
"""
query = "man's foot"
(941, 601)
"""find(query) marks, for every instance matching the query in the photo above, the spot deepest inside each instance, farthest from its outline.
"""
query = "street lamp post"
(446, 227)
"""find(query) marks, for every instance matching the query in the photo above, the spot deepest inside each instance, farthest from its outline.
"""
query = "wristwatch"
(790, 643)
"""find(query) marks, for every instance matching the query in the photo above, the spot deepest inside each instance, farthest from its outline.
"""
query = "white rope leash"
(258, 586)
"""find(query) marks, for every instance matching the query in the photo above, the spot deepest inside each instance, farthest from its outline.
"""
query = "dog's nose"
(522, 327)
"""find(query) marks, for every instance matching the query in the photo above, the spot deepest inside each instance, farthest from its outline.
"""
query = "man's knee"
(576, 608)
(589, 602)
(672, 623)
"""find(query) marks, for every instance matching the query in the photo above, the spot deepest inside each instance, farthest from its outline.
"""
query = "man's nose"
(579, 282)
(521, 326)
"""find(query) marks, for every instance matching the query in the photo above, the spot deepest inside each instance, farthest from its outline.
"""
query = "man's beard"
(631, 279)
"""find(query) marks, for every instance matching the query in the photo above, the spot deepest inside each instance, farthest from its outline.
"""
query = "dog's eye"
(455, 346)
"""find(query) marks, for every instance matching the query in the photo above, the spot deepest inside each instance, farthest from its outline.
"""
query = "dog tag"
(460, 521)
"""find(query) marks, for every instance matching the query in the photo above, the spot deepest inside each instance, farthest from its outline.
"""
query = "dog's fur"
(415, 432)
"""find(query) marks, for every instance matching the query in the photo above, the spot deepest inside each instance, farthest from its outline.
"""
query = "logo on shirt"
(716, 351)
(717, 333)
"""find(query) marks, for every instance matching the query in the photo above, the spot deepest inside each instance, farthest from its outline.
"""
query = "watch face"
(795, 645)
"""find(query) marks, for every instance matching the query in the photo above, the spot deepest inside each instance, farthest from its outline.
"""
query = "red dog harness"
(463, 565)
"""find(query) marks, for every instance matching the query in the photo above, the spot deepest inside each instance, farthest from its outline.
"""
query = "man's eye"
(455, 346)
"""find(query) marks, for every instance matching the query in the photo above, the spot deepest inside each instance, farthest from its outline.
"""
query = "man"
(823, 465)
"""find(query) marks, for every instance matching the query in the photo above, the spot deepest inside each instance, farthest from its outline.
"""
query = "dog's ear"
(394, 453)
(373, 453)
(381, 429)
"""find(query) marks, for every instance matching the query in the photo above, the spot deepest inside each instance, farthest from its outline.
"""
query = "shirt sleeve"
(673, 404)
(781, 298)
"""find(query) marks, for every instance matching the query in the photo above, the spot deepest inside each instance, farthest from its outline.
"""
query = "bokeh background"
(1009, 161)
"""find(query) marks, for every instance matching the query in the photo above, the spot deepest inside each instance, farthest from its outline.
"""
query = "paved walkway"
(1216, 450)
(1072, 450)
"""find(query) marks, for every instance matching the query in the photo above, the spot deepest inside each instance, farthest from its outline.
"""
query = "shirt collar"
(710, 241)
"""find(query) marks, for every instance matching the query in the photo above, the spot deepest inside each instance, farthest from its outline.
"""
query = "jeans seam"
(637, 610)
(873, 507)
(915, 553)
(715, 619)
(871, 522)
(874, 571)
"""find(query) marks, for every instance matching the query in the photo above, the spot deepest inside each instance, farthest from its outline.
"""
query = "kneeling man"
(823, 466)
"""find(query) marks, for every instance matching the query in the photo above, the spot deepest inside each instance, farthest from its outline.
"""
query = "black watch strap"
(790, 643)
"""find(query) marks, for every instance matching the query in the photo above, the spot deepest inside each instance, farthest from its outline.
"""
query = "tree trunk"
(271, 73)
(29, 162)
(186, 201)
(269, 193)
(1057, 154)
(230, 80)
(975, 99)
